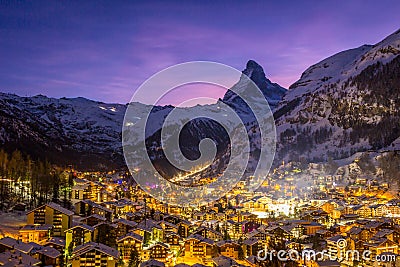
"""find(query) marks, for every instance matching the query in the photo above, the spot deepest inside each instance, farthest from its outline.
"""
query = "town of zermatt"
(200, 133)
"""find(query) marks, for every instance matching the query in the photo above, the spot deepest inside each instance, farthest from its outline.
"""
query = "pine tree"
(226, 235)
(120, 261)
(241, 253)
(217, 228)
(62, 261)
(134, 258)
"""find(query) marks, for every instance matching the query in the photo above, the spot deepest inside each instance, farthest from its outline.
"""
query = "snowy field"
(10, 223)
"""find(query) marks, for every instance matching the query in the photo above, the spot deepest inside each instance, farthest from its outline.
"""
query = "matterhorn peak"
(253, 65)
(271, 91)
(256, 73)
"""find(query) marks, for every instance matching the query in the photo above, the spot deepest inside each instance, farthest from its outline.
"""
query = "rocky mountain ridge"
(344, 104)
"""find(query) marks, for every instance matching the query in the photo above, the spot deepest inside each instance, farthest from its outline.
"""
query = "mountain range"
(344, 104)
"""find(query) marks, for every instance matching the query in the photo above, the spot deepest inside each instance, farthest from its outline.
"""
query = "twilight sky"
(104, 50)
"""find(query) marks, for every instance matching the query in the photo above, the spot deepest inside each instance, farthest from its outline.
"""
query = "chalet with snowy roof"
(375, 226)
(18, 258)
(103, 195)
(393, 207)
(319, 216)
(220, 216)
(93, 219)
(328, 207)
(150, 230)
(260, 233)
(235, 229)
(47, 255)
(364, 212)
(158, 251)
(51, 214)
(324, 233)
(209, 233)
(354, 244)
(184, 227)
(200, 216)
(229, 248)
(251, 247)
(392, 235)
(55, 242)
(119, 207)
(359, 233)
(136, 216)
(378, 246)
(248, 225)
(169, 227)
(94, 254)
(79, 235)
(124, 226)
(35, 233)
(152, 263)
(210, 215)
(9, 243)
(344, 218)
(286, 232)
(81, 192)
(311, 228)
(173, 239)
(126, 244)
(378, 210)
(199, 246)
(247, 216)
(105, 233)
(174, 219)
(332, 245)
(87, 207)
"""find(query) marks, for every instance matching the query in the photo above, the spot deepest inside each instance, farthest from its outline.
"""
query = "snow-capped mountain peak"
(273, 92)
(88, 133)
(343, 104)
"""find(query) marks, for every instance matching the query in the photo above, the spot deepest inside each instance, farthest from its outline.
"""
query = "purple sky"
(105, 50)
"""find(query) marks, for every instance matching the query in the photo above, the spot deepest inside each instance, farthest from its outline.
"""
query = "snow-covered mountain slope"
(334, 67)
(346, 103)
(67, 130)
(87, 133)
(201, 128)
